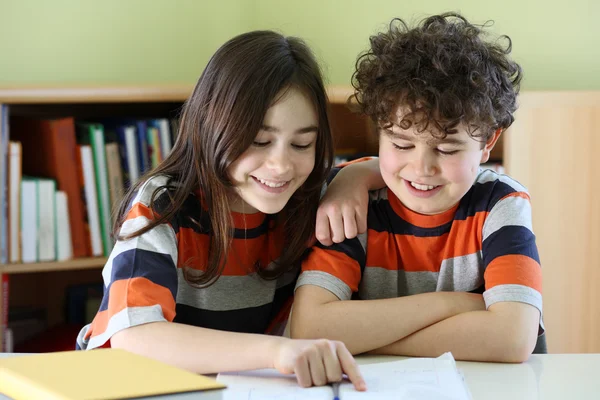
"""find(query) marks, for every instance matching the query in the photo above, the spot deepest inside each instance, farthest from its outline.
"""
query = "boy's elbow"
(517, 348)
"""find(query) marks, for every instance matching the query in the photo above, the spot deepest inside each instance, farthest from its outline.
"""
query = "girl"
(210, 241)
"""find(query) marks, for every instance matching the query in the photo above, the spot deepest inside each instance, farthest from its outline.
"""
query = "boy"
(449, 261)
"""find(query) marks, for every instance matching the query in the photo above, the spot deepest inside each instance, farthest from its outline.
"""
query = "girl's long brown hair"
(220, 120)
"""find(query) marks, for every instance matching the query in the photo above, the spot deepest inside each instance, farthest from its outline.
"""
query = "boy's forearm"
(473, 336)
(364, 325)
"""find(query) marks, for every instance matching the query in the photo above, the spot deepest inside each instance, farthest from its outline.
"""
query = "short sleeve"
(140, 276)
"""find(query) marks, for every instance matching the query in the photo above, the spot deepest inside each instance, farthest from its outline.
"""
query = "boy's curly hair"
(444, 72)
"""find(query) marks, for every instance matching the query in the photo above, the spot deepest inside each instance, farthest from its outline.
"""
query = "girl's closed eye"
(302, 146)
(257, 143)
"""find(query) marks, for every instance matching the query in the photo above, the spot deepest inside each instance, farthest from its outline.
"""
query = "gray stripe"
(512, 211)
(126, 318)
(456, 274)
(518, 293)
(461, 274)
(325, 281)
(227, 293)
(487, 175)
(380, 283)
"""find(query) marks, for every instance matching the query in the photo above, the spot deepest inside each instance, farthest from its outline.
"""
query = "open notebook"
(410, 379)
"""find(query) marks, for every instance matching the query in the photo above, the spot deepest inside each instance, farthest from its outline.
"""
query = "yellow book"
(97, 374)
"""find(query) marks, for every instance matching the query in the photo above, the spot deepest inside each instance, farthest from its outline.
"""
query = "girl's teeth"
(422, 187)
(271, 184)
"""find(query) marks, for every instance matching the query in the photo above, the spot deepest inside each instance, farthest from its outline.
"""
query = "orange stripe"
(193, 251)
(514, 269)
(517, 194)
(425, 254)
(344, 164)
(140, 210)
(335, 263)
(135, 292)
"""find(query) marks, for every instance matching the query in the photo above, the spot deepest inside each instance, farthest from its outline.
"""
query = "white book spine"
(89, 183)
(64, 246)
(47, 220)
(165, 137)
(132, 154)
(29, 221)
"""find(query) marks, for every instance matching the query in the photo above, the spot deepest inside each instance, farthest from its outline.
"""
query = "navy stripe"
(507, 240)
(137, 263)
(248, 320)
(383, 218)
(350, 247)
(191, 211)
(482, 197)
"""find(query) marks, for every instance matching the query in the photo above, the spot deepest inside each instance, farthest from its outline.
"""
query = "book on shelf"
(57, 161)
(87, 181)
(64, 248)
(115, 175)
(29, 220)
(93, 134)
(14, 201)
(38, 219)
(3, 180)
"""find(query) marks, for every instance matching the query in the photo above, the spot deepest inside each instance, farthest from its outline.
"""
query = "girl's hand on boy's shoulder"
(342, 213)
(317, 362)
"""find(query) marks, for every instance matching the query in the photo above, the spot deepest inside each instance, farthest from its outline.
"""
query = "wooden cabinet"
(553, 148)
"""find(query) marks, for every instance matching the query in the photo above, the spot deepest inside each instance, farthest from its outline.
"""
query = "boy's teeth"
(422, 187)
(271, 184)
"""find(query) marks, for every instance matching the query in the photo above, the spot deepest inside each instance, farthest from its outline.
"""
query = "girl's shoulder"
(149, 188)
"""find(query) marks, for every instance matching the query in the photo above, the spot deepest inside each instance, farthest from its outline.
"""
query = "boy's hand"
(317, 362)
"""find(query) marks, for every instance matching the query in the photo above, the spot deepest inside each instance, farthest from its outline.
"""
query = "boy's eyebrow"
(306, 129)
(434, 140)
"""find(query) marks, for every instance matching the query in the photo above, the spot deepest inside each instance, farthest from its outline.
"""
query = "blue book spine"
(142, 128)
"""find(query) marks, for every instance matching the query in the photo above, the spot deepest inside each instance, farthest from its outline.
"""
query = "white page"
(414, 378)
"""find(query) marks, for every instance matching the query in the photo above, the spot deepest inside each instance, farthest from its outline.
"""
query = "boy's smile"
(428, 174)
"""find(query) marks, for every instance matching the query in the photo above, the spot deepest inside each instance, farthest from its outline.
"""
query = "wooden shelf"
(121, 94)
(75, 264)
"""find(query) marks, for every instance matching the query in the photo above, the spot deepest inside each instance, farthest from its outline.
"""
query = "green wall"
(169, 41)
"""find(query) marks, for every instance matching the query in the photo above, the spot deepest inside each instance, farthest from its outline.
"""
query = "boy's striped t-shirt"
(484, 244)
(144, 276)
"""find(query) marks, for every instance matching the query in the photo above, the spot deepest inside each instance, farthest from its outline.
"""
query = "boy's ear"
(489, 145)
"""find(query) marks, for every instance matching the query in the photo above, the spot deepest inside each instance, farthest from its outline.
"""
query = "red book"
(50, 150)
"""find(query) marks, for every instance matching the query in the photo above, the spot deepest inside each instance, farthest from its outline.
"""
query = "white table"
(543, 377)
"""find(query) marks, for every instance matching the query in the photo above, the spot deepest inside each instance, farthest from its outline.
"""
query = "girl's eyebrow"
(306, 129)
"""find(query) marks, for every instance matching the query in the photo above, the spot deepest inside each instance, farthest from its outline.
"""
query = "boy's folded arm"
(364, 325)
(506, 332)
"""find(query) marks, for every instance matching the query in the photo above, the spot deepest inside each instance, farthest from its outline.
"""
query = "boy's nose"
(424, 166)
